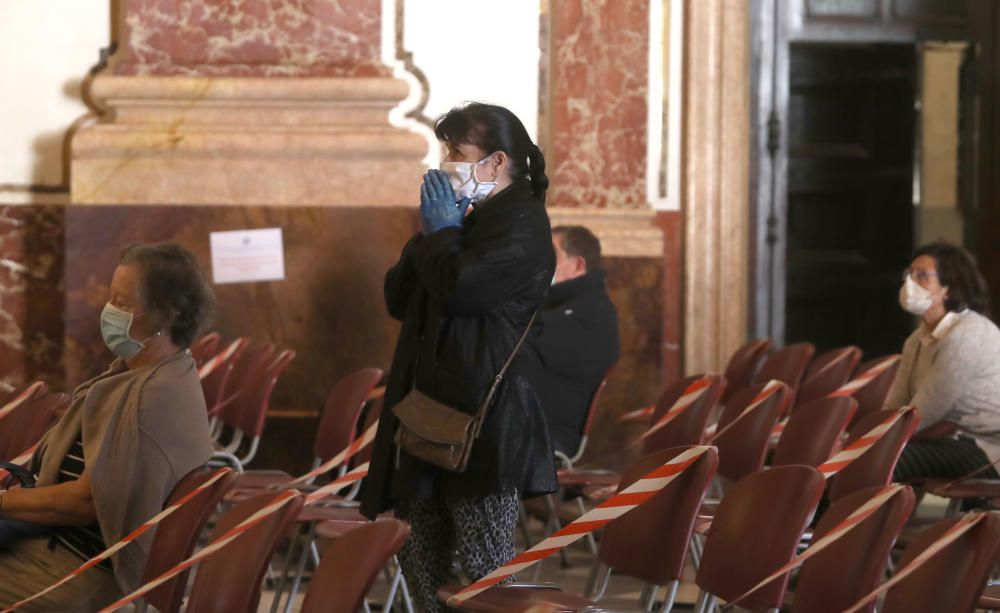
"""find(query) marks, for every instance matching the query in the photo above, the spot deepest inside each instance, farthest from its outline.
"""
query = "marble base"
(246, 141)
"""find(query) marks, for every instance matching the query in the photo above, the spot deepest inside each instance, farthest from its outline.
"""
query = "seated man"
(576, 336)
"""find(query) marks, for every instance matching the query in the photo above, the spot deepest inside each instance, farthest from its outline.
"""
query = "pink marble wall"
(307, 38)
(597, 103)
(31, 294)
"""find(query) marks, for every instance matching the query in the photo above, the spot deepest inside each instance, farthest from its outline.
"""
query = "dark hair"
(173, 288)
(494, 128)
(956, 270)
(578, 241)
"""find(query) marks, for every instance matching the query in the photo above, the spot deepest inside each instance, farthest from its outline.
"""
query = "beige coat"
(143, 430)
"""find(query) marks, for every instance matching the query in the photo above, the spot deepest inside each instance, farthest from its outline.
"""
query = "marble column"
(592, 129)
(715, 181)
(260, 102)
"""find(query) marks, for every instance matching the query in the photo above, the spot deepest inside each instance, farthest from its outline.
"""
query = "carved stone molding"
(243, 141)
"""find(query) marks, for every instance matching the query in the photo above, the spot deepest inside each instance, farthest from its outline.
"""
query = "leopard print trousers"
(455, 539)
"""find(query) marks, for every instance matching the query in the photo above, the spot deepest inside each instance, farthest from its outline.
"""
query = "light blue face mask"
(115, 325)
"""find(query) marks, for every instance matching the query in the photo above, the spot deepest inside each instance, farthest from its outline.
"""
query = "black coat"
(577, 340)
(464, 296)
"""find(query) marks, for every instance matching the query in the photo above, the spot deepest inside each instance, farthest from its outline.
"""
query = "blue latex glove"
(439, 208)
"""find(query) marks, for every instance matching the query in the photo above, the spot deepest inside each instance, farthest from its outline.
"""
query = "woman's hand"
(438, 206)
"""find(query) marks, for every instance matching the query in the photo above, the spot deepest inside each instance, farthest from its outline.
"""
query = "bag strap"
(481, 414)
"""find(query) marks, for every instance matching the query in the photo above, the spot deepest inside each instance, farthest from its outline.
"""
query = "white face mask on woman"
(464, 180)
(915, 298)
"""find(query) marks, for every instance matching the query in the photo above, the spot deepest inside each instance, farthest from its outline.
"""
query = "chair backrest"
(248, 410)
(350, 565)
(177, 535)
(339, 421)
(205, 347)
(871, 397)
(688, 428)
(787, 365)
(25, 425)
(229, 581)
(955, 577)
(755, 531)
(813, 430)
(373, 413)
(650, 541)
(874, 467)
(215, 384)
(827, 372)
(743, 365)
(595, 401)
(743, 447)
(852, 566)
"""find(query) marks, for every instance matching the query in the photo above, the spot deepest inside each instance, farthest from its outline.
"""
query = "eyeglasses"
(920, 276)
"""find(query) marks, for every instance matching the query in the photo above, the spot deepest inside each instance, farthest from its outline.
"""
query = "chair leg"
(668, 600)
(404, 589)
(695, 547)
(523, 520)
(390, 597)
(590, 541)
(598, 582)
(310, 537)
(705, 603)
(648, 597)
(280, 588)
(954, 507)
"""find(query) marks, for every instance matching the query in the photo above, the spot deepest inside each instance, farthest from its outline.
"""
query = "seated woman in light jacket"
(950, 368)
(126, 439)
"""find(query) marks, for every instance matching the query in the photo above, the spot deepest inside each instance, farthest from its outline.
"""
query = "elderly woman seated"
(126, 439)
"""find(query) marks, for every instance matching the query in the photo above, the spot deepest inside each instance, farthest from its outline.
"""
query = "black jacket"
(464, 296)
(577, 340)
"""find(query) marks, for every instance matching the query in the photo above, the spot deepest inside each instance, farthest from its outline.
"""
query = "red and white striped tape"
(356, 445)
(963, 525)
(110, 551)
(850, 453)
(28, 392)
(223, 356)
(691, 394)
(859, 515)
(852, 386)
(279, 501)
(638, 415)
(626, 500)
(769, 390)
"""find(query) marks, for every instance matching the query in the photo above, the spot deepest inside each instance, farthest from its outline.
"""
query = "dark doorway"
(851, 122)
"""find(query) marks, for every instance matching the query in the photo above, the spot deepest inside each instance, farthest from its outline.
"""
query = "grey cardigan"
(143, 430)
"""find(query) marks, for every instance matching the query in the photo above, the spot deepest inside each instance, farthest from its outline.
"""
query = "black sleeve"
(400, 281)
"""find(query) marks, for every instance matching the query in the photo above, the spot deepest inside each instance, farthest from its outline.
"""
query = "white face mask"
(464, 180)
(915, 298)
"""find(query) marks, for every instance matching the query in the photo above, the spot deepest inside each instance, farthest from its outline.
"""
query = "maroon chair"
(813, 431)
(756, 531)
(688, 428)
(954, 579)
(177, 535)
(852, 566)
(213, 384)
(787, 365)
(871, 397)
(743, 447)
(587, 425)
(205, 347)
(247, 412)
(649, 543)
(229, 581)
(744, 364)
(337, 428)
(827, 372)
(350, 565)
(874, 467)
(23, 427)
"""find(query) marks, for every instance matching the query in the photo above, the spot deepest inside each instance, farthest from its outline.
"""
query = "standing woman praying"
(465, 289)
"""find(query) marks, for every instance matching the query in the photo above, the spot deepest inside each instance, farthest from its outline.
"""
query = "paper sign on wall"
(242, 256)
